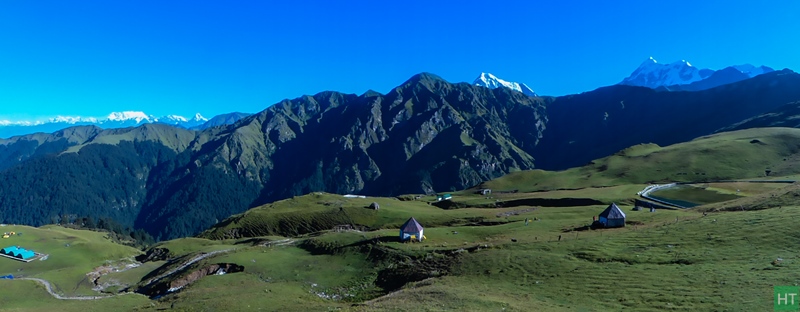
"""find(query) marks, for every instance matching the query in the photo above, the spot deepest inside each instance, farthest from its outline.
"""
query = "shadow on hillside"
(527, 202)
(255, 241)
(375, 240)
(597, 226)
(319, 247)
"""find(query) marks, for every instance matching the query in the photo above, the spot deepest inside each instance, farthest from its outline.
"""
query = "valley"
(526, 243)
(416, 156)
(424, 136)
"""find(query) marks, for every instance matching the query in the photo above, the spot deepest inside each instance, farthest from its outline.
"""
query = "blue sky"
(90, 58)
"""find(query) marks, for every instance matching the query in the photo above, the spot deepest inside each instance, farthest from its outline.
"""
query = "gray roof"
(411, 226)
(613, 212)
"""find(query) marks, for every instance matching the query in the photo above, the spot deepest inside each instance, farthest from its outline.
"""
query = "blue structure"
(612, 216)
(17, 252)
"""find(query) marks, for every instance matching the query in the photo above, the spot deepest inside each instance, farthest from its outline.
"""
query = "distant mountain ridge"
(784, 116)
(652, 74)
(114, 120)
(682, 76)
(424, 136)
(598, 123)
(221, 120)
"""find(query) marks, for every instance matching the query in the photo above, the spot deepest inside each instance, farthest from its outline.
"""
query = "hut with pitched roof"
(612, 217)
(411, 231)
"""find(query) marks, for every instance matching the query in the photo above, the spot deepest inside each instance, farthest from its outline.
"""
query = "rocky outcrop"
(154, 254)
(173, 284)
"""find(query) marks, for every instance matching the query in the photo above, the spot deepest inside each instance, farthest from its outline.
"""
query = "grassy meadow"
(479, 255)
(70, 255)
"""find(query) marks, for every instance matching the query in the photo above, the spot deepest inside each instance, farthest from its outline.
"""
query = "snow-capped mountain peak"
(172, 118)
(680, 63)
(198, 117)
(649, 61)
(652, 74)
(129, 115)
(113, 120)
(492, 82)
(24, 123)
(182, 121)
(655, 75)
(72, 119)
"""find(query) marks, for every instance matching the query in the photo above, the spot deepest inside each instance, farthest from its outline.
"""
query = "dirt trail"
(279, 242)
(49, 288)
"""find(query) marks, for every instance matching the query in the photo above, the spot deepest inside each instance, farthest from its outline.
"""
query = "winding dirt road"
(49, 288)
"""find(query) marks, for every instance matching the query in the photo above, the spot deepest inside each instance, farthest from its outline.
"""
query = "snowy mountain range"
(491, 81)
(682, 76)
(114, 120)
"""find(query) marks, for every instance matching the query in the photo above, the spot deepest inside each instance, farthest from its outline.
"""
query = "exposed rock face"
(154, 254)
(176, 283)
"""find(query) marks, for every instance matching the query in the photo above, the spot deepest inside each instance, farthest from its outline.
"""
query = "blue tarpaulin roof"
(18, 252)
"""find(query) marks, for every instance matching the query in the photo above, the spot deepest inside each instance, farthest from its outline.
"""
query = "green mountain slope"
(730, 155)
(21, 148)
(424, 135)
(596, 124)
(784, 116)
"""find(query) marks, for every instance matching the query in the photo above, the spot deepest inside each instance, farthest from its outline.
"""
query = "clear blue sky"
(90, 58)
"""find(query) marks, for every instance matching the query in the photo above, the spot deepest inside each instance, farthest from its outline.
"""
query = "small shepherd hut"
(612, 217)
(411, 230)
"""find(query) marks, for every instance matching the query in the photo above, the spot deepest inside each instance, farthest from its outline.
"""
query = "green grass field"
(32, 296)
(656, 264)
(723, 256)
(71, 254)
(689, 195)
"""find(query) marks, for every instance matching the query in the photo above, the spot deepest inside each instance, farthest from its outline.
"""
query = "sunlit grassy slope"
(724, 261)
(731, 155)
(723, 256)
(71, 254)
(670, 259)
(322, 211)
(31, 296)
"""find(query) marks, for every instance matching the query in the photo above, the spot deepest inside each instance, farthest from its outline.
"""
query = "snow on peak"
(649, 61)
(651, 74)
(114, 120)
(129, 115)
(198, 117)
(172, 118)
(680, 63)
(492, 82)
(6, 122)
(73, 119)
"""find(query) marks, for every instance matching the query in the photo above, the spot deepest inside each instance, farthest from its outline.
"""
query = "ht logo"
(787, 298)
